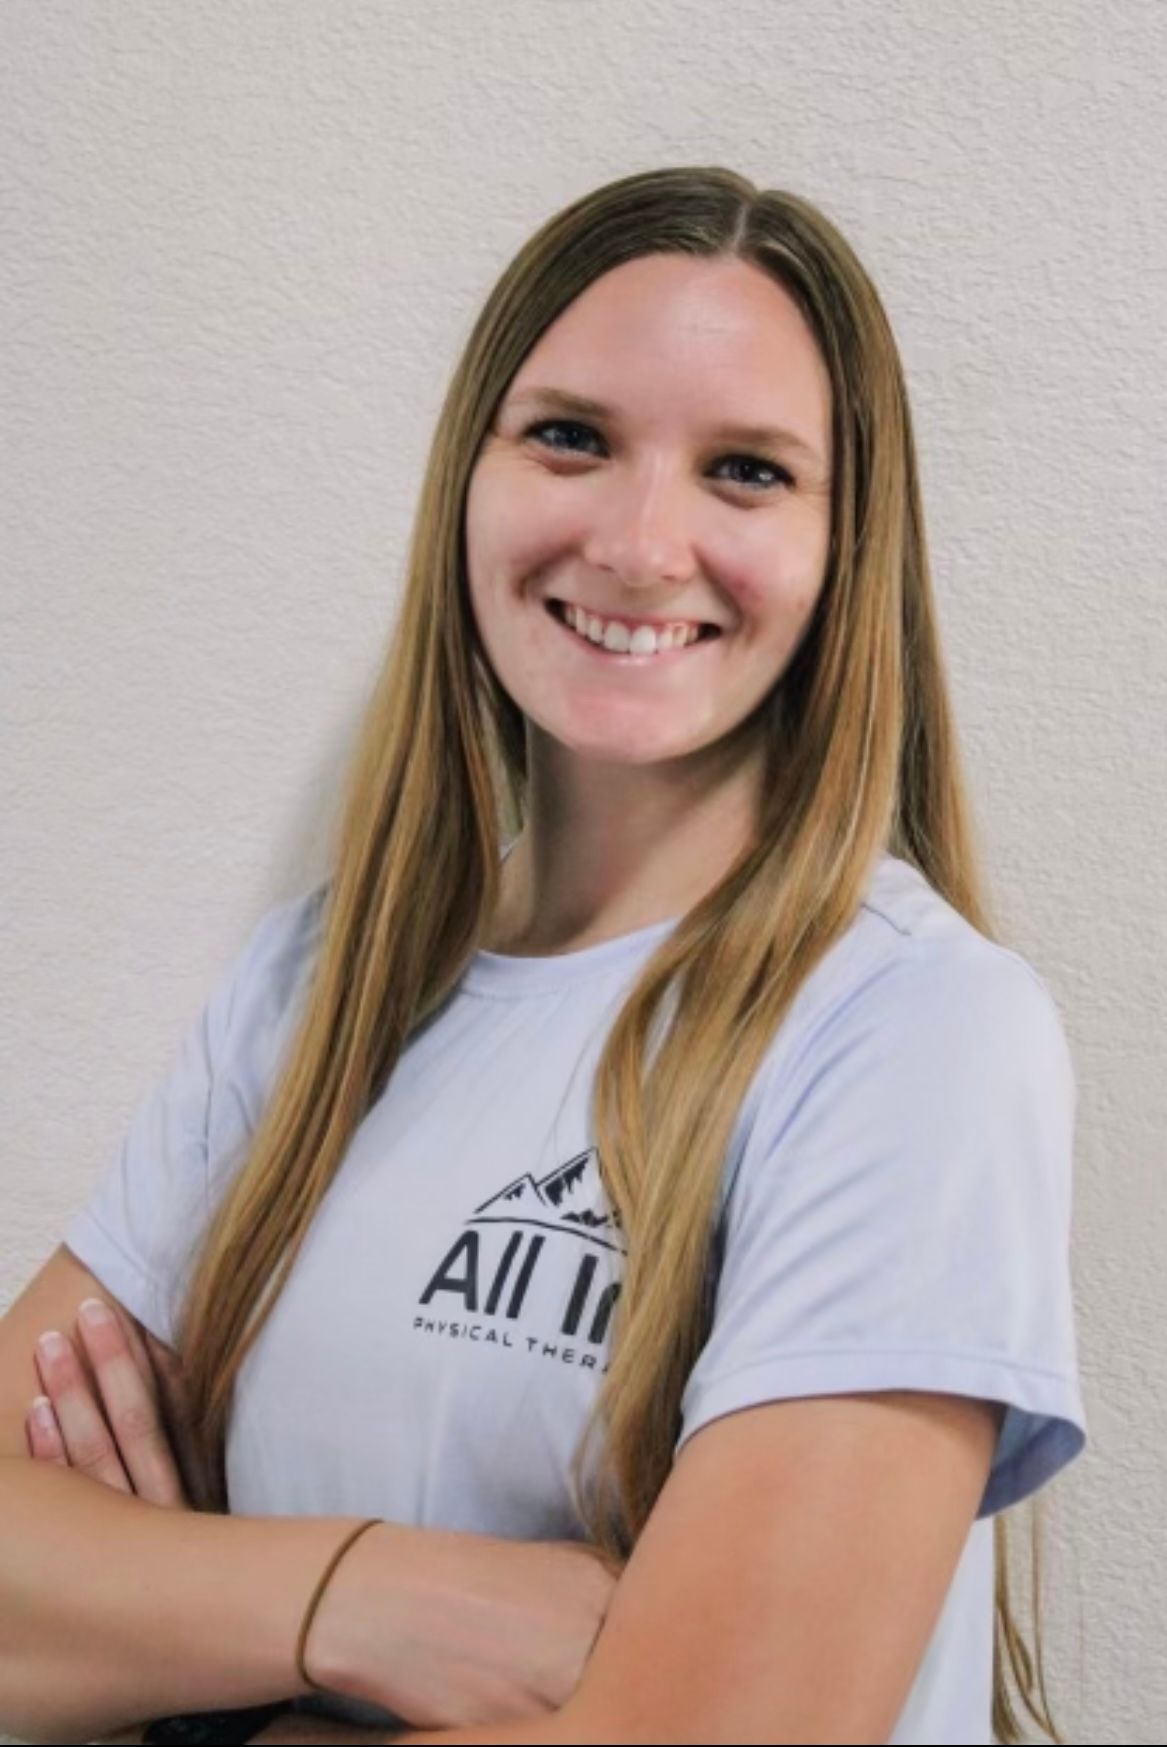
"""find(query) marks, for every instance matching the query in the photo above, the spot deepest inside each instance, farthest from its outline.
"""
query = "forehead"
(683, 334)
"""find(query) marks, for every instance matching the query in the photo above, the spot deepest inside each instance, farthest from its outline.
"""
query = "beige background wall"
(241, 248)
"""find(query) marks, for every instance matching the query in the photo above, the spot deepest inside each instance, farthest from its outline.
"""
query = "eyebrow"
(763, 436)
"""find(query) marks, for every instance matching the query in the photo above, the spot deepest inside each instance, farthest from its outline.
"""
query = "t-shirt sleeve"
(900, 1216)
(139, 1230)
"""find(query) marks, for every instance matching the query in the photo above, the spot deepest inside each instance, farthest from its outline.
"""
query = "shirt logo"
(491, 1273)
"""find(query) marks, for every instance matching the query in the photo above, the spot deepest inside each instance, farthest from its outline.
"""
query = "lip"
(622, 657)
(633, 622)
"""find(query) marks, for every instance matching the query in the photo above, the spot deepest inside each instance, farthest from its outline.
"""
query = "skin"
(107, 1390)
(641, 799)
(102, 1410)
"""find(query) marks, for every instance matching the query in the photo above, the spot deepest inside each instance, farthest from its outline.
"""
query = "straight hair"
(861, 758)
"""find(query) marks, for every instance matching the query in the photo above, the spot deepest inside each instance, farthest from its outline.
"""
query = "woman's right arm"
(114, 1609)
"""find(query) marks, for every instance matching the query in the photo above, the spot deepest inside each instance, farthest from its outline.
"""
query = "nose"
(639, 533)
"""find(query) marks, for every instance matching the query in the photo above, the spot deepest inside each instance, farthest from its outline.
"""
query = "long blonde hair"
(862, 757)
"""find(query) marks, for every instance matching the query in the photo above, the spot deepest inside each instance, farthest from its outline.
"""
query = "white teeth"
(614, 635)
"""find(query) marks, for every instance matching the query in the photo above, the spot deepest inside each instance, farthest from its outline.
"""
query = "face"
(618, 478)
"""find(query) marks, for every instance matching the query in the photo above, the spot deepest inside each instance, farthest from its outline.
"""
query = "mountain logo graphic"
(570, 1198)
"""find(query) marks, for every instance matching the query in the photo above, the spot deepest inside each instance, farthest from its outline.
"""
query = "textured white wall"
(242, 246)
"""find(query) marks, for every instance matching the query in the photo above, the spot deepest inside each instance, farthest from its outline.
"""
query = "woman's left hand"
(111, 1428)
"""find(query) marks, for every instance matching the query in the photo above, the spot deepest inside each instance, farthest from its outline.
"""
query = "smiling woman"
(639, 514)
(710, 1116)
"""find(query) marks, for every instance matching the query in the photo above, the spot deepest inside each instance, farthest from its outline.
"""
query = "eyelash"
(783, 477)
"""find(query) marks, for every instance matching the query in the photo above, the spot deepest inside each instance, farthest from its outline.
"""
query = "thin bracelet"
(224, 1728)
(314, 1603)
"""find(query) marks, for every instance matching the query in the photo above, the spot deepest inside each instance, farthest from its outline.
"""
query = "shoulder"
(953, 989)
(279, 950)
(904, 920)
(911, 1025)
(911, 963)
(254, 1005)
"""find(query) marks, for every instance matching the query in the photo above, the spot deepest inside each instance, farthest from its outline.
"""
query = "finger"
(89, 1443)
(130, 1399)
(165, 1379)
(143, 1351)
(45, 1442)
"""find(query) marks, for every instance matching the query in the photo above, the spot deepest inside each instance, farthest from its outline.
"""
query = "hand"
(111, 1418)
(452, 1629)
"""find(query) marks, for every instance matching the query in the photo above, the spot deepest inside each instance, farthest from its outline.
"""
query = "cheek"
(775, 581)
(773, 600)
(512, 531)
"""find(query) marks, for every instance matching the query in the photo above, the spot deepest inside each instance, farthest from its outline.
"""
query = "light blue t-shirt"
(895, 1214)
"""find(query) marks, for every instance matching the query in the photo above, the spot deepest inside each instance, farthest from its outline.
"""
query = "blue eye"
(555, 425)
(780, 474)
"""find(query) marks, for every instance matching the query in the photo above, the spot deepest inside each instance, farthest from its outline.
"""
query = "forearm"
(113, 1609)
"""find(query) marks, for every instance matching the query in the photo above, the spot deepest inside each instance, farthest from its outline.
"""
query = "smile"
(630, 649)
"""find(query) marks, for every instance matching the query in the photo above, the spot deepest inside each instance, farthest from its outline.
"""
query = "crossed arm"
(792, 1539)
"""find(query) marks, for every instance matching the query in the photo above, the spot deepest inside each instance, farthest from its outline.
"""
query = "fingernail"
(42, 1409)
(52, 1344)
(95, 1313)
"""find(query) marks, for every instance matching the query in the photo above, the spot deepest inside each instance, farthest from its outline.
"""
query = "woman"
(715, 1092)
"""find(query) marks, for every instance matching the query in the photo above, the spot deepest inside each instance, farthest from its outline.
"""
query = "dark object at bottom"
(211, 1728)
